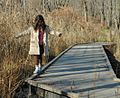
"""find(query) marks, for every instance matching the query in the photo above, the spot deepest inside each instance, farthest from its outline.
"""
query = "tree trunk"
(102, 12)
(85, 10)
(111, 12)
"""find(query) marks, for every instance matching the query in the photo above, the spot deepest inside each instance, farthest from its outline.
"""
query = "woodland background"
(80, 21)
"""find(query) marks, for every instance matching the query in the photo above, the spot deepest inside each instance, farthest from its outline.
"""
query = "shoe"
(40, 67)
(36, 71)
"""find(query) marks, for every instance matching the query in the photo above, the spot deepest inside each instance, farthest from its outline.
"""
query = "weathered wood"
(83, 71)
(47, 88)
(116, 79)
(48, 64)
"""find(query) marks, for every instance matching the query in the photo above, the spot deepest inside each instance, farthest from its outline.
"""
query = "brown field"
(16, 64)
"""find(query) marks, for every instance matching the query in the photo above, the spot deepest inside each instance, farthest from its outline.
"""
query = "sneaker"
(39, 69)
(36, 69)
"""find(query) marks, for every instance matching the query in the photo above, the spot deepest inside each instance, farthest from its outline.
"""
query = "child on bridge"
(39, 40)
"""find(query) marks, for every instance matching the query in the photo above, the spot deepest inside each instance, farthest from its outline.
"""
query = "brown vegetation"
(16, 64)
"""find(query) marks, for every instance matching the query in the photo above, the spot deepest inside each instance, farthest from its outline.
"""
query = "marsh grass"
(16, 64)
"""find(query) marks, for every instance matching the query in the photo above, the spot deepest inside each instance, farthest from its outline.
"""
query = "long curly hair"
(39, 23)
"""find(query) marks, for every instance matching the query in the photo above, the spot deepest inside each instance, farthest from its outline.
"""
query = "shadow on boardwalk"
(115, 63)
(23, 90)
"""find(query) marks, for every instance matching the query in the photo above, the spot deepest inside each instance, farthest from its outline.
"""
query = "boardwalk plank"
(84, 71)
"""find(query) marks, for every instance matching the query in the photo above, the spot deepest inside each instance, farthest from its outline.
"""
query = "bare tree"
(85, 10)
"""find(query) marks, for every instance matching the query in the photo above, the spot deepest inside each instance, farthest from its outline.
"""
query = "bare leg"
(36, 59)
(37, 66)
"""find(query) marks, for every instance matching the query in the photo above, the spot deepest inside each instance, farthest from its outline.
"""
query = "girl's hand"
(16, 35)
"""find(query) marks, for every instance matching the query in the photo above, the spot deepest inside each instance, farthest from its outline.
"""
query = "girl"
(39, 40)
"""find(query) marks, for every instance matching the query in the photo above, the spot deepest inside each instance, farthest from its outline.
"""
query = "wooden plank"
(86, 46)
(85, 73)
(47, 87)
(74, 67)
(116, 79)
(73, 72)
(47, 65)
(51, 62)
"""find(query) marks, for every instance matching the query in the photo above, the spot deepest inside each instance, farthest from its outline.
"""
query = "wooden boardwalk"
(82, 71)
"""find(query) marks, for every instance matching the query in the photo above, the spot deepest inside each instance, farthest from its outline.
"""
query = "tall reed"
(16, 64)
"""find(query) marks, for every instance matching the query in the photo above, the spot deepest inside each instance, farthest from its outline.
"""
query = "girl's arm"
(53, 32)
(26, 32)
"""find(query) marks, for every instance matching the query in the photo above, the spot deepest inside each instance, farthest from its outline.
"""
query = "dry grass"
(73, 27)
(15, 64)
